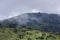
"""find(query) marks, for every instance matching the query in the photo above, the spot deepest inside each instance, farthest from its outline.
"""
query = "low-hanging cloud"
(9, 8)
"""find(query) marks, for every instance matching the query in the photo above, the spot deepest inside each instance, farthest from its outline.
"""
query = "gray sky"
(9, 8)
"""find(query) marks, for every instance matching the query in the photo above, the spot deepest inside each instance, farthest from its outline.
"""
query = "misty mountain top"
(36, 17)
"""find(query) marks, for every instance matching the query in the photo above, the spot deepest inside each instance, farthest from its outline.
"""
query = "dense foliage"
(26, 34)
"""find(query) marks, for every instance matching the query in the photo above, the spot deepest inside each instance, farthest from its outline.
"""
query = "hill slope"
(44, 21)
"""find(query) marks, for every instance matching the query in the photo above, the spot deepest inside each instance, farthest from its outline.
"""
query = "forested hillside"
(31, 26)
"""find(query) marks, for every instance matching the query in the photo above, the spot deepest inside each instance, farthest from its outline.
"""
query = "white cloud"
(23, 6)
(34, 10)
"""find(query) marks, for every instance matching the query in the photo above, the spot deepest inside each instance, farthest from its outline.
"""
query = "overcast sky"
(9, 8)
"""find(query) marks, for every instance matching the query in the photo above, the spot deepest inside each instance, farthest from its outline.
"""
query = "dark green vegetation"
(26, 34)
(44, 21)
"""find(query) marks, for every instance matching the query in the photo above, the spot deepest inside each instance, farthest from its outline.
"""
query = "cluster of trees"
(25, 34)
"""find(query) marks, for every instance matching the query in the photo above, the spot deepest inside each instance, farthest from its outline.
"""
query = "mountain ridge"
(47, 22)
